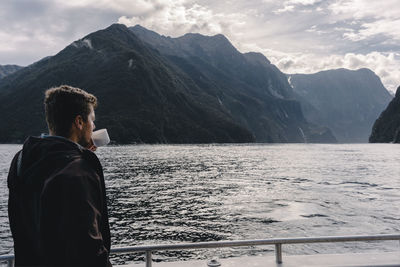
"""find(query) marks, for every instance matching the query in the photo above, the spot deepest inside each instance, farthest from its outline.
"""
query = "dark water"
(191, 193)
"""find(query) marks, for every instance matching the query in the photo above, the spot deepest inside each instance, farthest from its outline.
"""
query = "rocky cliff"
(386, 128)
(346, 101)
(142, 98)
(8, 69)
(247, 86)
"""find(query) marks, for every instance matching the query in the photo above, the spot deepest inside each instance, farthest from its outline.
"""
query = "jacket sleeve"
(70, 220)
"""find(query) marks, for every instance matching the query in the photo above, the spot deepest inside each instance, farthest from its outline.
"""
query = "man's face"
(87, 130)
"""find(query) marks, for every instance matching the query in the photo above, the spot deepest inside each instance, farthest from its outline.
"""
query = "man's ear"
(78, 122)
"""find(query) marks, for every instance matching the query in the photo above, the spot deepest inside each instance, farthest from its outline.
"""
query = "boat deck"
(356, 259)
(347, 259)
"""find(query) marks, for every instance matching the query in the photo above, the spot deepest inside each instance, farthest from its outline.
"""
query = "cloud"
(374, 17)
(303, 2)
(361, 9)
(385, 65)
(285, 8)
(290, 5)
(336, 34)
(28, 44)
(33, 29)
(177, 18)
(9, 42)
(314, 29)
(128, 7)
(389, 28)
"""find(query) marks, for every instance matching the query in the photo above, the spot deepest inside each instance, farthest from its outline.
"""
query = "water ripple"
(191, 193)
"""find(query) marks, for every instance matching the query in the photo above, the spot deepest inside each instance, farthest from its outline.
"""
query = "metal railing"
(278, 242)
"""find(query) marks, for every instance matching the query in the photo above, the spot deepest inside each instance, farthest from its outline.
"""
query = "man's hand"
(91, 146)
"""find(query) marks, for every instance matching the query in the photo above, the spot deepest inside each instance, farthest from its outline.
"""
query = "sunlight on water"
(192, 193)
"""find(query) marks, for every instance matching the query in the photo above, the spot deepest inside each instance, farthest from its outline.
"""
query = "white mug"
(100, 137)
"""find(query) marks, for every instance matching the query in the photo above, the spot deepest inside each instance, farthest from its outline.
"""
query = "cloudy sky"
(299, 36)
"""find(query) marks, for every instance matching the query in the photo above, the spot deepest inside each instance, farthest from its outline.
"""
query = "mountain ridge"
(386, 128)
(346, 101)
(158, 89)
(154, 104)
(233, 78)
(8, 69)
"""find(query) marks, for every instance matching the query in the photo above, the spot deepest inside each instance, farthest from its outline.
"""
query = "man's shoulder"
(77, 173)
(83, 165)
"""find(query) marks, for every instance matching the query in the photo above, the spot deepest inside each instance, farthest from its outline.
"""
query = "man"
(57, 203)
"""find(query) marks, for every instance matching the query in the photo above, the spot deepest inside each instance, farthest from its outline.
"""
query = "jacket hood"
(41, 156)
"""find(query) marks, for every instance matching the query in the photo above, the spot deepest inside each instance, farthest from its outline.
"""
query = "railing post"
(148, 258)
(278, 253)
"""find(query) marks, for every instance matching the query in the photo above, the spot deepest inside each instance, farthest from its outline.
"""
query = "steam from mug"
(100, 137)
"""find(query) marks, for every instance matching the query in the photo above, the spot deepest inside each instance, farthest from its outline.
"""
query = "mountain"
(247, 86)
(346, 101)
(141, 97)
(8, 69)
(386, 128)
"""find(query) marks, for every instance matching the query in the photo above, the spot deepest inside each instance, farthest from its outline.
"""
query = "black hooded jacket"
(57, 205)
